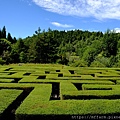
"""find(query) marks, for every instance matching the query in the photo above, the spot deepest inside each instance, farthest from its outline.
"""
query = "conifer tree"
(3, 33)
(9, 38)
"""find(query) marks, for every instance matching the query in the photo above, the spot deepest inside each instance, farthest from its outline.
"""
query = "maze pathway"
(58, 92)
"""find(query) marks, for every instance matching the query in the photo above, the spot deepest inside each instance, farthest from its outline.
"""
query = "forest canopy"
(75, 48)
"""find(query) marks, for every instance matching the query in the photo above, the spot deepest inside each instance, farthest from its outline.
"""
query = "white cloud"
(61, 25)
(100, 9)
(116, 30)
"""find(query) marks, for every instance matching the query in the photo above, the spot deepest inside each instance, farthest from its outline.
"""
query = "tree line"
(74, 48)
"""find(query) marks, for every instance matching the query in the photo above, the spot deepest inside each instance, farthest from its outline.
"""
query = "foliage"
(23, 57)
(53, 46)
(2, 61)
(3, 33)
(117, 64)
(97, 64)
(110, 42)
(78, 63)
(5, 45)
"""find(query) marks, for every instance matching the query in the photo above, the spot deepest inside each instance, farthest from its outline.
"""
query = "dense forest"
(75, 48)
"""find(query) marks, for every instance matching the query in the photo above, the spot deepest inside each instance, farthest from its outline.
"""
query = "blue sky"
(23, 17)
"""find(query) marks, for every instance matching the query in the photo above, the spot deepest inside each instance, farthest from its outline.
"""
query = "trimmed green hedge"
(6, 80)
(7, 96)
(41, 94)
(99, 85)
(102, 82)
(67, 86)
(92, 94)
(118, 81)
(69, 107)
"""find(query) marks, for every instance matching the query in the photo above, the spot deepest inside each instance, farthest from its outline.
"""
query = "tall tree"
(20, 45)
(23, 57)
(89, 55)
(3, 33)
(14, 40)
(109, 44)
(5, 45)
(32, 54)
(0, 34)
(38, 31)
(9, 38)
(14, 54)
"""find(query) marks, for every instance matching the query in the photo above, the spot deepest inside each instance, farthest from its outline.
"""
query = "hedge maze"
(46, 91)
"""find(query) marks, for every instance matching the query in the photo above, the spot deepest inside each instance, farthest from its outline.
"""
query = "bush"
(79, 63)
(106, 61)
(63, 61)
(7, 96)
(117, 64)
(97, 64)
(35, 103)
(2, 61)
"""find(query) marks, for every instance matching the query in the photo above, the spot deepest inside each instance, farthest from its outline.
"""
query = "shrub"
(97, 64)
(78, 63)
(2, 61)
(117, 64)
(98, 87)
(7, 97)
(36, 102)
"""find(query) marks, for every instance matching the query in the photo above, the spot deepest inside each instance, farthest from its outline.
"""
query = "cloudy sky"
(23, 17)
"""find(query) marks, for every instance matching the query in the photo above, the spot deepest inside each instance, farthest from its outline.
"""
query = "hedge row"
(92, 94)
(75, 84)
(6, 80)
(97, 87)
(7, 96)
(31, 105)
(69, 107)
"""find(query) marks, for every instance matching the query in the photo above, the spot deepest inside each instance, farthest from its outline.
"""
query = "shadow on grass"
(69, 117)
(9, 113)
